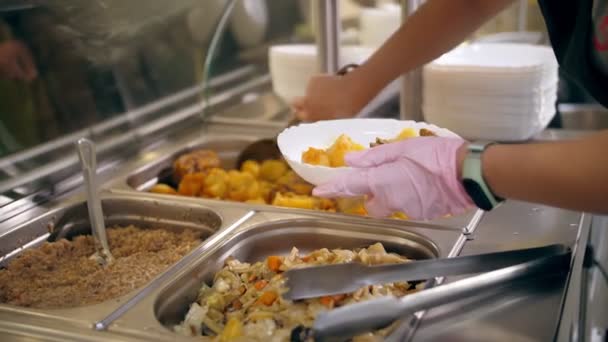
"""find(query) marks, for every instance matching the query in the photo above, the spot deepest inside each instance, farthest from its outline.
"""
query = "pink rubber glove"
(418, 177)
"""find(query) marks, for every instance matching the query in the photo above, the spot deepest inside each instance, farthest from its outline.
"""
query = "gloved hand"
(418, 176)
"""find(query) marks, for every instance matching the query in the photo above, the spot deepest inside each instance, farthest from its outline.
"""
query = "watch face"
(476, 193)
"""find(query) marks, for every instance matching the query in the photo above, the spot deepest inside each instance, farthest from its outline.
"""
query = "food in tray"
(244, 302)
(193, 162)
(270, 182)
(334, 155)
(61, 274)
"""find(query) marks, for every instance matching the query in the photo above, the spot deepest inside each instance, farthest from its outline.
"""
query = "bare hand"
(16, 61)
(329, 97)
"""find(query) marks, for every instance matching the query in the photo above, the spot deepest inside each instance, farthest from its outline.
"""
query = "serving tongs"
(88, 162)
(501, 268)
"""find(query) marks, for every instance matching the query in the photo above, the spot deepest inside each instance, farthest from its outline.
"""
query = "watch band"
(472, 178)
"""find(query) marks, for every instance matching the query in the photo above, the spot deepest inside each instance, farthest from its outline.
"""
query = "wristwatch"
(472, 178)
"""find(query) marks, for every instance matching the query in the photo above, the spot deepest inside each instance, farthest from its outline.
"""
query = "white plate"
(496, 58)
(295, 140)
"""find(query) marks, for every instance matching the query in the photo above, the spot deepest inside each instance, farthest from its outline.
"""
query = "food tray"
(142, 175)
(71, 219)
(270, 234)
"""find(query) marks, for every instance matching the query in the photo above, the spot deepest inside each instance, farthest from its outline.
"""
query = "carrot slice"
(274, 263)
(260, 284)
(327, 301)
(267, 298)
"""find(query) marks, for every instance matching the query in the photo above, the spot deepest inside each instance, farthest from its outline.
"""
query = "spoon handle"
(86, 154)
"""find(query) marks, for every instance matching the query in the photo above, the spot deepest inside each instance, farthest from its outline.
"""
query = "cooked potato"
(242, 186)
(191, 184)
(406, 133)
(252, 167)
(315, 156)
(291, 182)
(271, 170)
(266, 190)
(215, 184)
(163, 189)
(294, 201)
(340, 148)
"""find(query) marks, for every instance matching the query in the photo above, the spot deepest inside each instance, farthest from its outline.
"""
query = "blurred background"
(101, 59)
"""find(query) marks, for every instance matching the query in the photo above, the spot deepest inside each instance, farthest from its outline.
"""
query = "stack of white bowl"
(504, 92)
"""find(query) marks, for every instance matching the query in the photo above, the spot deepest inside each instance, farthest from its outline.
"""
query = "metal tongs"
(348, 321)
(88, 161)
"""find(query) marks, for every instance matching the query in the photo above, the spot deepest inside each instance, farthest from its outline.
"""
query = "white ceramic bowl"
(295, 140)
(291, 66)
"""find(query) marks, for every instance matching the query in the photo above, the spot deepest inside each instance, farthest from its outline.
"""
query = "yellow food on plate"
(340, 148)
(334, 155)
(315, 156)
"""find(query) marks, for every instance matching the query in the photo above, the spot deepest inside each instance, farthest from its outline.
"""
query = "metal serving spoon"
(88, 162)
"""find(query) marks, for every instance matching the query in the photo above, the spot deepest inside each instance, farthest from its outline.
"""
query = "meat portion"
(194, 162)
(61, 274)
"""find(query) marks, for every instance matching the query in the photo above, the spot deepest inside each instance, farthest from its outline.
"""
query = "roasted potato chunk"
(315, 156)
(294, 201)
(252, 167)
(242, 186)
(340, 148)
(191, 184)
(272, 170)
(215, 184)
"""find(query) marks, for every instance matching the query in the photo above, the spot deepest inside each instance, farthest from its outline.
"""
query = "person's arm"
(569, 174)
(436, 27)
(422, 177)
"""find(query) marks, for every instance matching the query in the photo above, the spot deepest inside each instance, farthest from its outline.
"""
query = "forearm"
(436, 27)
(572, 175)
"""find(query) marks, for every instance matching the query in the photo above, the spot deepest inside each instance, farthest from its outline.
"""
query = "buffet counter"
(525, 311)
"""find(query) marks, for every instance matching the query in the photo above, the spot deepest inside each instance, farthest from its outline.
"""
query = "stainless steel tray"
(160, 171)
(142, 174)
(71, 219)
(267, 234)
